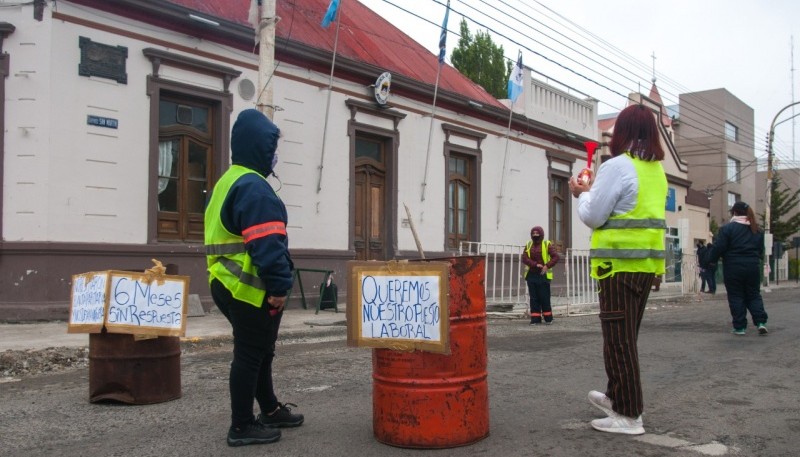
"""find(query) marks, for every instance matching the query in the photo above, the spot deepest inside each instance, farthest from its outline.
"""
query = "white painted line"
(713, 448)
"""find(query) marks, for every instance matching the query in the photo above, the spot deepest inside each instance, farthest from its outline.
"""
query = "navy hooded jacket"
(251, 201)
(738, 246)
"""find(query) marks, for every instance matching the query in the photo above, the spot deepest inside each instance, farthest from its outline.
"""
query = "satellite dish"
(382, 88)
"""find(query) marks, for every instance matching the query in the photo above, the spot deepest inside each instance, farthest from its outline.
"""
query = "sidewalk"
(296, 321)
(41, 335)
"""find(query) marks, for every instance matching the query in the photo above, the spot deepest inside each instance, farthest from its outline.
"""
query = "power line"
(702, 124)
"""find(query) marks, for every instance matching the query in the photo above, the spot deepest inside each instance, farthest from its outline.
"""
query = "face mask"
(537, 237)
(275, 160)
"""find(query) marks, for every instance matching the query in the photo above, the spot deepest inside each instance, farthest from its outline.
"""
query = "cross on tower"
(653, 55)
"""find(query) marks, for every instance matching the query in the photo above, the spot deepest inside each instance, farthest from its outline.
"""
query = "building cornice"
(240, 36)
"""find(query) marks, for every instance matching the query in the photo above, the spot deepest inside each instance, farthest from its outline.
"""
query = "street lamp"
(769, 181)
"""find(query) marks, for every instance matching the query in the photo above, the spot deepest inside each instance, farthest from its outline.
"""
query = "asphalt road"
(707, 392)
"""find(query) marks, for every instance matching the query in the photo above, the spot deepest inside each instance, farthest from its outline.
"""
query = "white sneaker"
(600, 400)
(619, 424)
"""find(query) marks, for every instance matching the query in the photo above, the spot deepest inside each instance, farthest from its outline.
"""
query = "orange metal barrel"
(136, 372)
(427, 400)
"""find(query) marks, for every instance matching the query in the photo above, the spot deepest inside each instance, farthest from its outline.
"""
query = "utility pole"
(791, 51)
(768, 210)
(266, 57)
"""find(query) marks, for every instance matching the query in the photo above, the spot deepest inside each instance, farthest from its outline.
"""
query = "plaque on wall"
(102, 60)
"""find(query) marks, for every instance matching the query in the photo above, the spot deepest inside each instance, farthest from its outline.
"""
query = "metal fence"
(581, 287)
(504, 283)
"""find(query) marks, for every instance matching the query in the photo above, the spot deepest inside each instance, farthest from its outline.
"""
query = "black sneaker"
(281, 417)
(253, 432)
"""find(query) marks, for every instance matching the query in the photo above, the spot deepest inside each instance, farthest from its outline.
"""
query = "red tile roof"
(364, 36)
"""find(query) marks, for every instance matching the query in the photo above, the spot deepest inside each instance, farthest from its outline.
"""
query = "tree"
(783, 202)
(713, 227)
(480, 60)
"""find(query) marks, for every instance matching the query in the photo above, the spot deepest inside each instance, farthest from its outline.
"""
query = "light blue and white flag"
(443, 35)
(515, 80)
(330, 15)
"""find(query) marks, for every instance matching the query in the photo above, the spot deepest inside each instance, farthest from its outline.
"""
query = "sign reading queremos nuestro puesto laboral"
(149, 303)
(398, 305)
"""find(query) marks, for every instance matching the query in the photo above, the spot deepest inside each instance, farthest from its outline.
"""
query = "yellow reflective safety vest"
(227, 259)
(545, 257)
(634, 241)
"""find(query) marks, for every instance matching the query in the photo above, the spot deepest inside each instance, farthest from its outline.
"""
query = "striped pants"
(622, 301)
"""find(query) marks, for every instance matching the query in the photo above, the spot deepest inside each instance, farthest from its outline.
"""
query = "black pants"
(711, 278)
(539, 291)
(743, 284)
(254, 336)
(622, 302)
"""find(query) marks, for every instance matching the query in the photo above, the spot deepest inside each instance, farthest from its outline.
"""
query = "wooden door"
(370, 237)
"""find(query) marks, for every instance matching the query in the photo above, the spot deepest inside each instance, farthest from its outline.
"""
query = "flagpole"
(430, 134)
(515, 82)
(328, 103)
(442, 50)
(503, 171)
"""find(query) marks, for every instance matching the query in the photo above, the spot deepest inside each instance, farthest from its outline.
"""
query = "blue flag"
(330, 15)
(515, 80)
(443, 35)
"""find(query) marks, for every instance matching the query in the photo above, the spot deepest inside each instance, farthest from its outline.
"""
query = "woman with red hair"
(625, 207)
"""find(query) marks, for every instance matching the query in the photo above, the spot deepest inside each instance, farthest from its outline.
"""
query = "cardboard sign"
(87, 303)
(139, 304)
(398, 305)
(128, 302)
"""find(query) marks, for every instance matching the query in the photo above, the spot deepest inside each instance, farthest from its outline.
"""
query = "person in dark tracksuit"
(539, 258)
(710, 269)
(250, 274)
(740, 244)
(625, 208)
(701, 253)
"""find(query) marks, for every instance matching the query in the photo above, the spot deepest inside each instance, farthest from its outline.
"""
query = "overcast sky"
(604, 48)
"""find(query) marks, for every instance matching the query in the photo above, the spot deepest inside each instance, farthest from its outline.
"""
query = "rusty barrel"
(427, 400)
(139, 372)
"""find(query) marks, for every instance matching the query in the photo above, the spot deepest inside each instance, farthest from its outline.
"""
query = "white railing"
(556, 107)
(504, 283)
(581, 287)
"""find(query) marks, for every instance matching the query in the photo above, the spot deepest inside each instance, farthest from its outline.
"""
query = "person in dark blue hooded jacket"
(250, 275)
(740, 244)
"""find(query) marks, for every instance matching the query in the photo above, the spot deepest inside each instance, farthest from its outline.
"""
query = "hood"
(537, 229)
(254, 139)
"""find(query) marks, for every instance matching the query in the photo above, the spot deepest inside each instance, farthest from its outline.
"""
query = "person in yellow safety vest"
(250, 274)
(625, 207)
(539, 258)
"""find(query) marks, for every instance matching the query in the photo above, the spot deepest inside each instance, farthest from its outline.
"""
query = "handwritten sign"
(128, 302)
(398, 305)
(142, 305)
(87, 303)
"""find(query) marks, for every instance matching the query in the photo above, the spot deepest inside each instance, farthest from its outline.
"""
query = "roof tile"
(364, 36)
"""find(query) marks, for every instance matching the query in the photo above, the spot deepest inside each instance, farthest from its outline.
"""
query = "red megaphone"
(591, 146)
(586, 175)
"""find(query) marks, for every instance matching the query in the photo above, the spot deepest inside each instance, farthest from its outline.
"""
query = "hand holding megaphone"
(585, 177)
